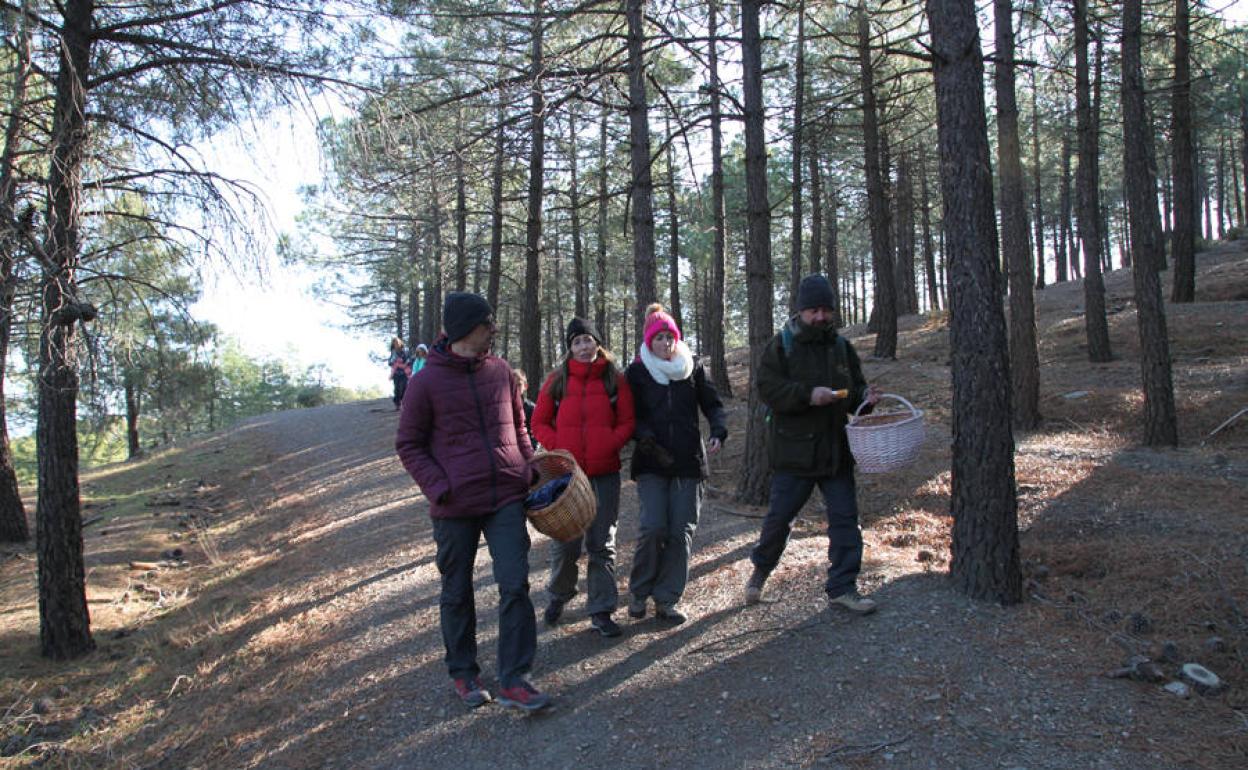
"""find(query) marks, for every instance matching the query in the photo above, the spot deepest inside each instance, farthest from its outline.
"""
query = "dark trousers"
(400, 387)
(507, 537)
(599, 543)
(669, 517)
(788, 494)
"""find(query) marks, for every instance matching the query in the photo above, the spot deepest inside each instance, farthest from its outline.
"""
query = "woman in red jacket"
(586, 408)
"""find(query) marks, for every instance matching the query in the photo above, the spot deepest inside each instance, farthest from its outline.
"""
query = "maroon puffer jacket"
(462, 435)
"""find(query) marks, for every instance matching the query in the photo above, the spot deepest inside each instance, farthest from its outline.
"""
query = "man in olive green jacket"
(811, 379)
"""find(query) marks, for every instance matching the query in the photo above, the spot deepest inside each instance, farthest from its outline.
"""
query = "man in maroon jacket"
(462, 437)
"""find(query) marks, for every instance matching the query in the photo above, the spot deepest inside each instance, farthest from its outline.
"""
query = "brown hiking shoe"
(854, 602)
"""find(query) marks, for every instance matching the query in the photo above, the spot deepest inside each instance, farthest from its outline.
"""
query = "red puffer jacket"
(586, 423)
(461, 435)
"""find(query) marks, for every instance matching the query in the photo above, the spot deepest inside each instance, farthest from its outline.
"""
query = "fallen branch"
(18, 702)
(862, 750)
(1228, 421)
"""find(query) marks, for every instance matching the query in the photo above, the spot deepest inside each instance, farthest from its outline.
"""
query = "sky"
(280, 316)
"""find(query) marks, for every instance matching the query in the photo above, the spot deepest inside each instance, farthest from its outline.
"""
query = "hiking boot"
(603, 624)
(854, 602)
(669, 613)
(471, 692)
(553, 612)
(523, 696)
(637, 607)
(754, 587)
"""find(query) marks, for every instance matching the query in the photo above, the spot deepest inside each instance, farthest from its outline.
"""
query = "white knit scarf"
(678, 368)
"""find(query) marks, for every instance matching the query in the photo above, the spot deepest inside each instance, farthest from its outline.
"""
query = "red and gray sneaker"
(523, 695)
(471, 692)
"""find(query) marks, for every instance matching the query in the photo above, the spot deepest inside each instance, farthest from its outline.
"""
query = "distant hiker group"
(467, 437)
(403, 365)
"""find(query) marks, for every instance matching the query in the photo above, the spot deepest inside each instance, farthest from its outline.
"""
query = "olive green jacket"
(807, 440)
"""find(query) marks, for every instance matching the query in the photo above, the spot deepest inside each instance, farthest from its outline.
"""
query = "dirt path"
(314, 641)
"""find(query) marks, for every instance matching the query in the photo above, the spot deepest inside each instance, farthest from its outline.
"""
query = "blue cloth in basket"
(547, 493)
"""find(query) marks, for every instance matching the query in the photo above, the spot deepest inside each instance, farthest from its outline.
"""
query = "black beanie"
(462, 312)
(815, 291)
(579, 326)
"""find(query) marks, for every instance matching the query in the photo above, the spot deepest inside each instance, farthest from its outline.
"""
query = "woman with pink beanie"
(669, 388)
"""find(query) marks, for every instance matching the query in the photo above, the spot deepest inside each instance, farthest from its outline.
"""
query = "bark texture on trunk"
(1024, 356)
(1088, 184)
(1183, 238)
(64, 620)
(884, 308)
(754, 485)
(644, 266)
(531, 317)
(984, 506)
(718, 281)
(1160, 424)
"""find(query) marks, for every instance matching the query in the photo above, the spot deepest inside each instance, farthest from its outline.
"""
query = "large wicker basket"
(571, 514)
(885, 441)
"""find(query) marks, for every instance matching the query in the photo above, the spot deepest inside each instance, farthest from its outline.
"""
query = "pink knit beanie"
(657, 320)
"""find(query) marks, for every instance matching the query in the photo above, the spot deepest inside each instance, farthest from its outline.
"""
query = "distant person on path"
(586, 407)
(811, 378)
(521, 381)
(669, 388)
(419, 356)
(400, 369)
(461, 436)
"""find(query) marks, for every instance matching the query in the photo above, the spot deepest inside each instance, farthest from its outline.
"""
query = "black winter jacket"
(807, 440)
(667, 417)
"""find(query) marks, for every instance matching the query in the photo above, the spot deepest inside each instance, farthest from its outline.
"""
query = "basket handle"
(883, 396)
(559, 452)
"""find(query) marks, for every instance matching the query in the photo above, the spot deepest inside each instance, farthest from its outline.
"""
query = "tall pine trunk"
(580, 302)
(673, 225)
(884, 308)
(134, 402)
(13, 526)
(600, 285)
(1062, 255)
(984, 505)
(496, 206)
(1024, 356)
(799, 131)
(831, 252)
(461, 217)
(1037, 186)
(644, 266)
(929, 253)
(755, 480)
(1088, 184)
(1183, 238)
(1160, 427)
(531, 318)
(715, 306)
(64, 620)
(907, 291)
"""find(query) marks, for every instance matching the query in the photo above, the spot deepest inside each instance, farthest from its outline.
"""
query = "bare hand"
(713, 446)
(872, 396)
(822, 396)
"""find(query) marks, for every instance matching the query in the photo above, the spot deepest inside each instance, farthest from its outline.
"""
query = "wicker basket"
(571, 514)
(885, 441)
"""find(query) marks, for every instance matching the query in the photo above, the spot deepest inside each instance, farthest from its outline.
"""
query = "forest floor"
(267, 597)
